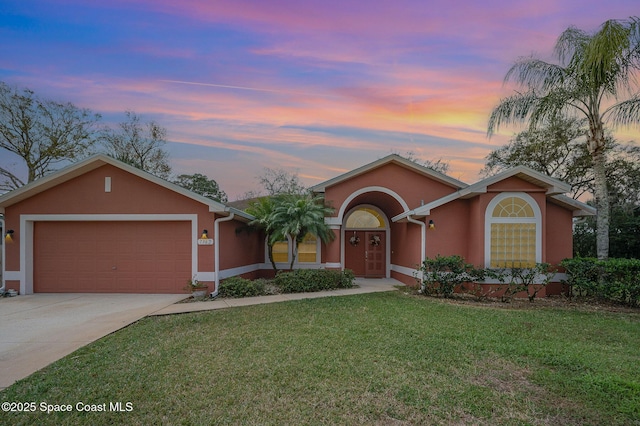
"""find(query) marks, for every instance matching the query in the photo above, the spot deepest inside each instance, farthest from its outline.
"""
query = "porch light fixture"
(9, 236)
(432, 225)
(205, 234)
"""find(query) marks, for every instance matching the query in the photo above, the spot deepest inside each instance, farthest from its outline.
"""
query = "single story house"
(103, 226)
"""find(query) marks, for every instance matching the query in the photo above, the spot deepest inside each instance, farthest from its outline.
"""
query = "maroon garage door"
(111, 257)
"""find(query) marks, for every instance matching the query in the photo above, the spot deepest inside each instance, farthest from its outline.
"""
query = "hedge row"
(614, 280)
(306, 280)
(242, 287)
(297, 281)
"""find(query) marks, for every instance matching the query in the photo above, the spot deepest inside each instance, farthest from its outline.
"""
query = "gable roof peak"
(98, 160)
(391, 158)
(554, 188)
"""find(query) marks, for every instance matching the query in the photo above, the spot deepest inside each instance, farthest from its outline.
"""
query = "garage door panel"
(166, 284)
(127, 284)
(97, 283)
(84, 245)
(104, 263)
(147, 266)
(86, 265)
(146, 246)
(127, 257)
(164, 249)
(127, 266)
(167, 267)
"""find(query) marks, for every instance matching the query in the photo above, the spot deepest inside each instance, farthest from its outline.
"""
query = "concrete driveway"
(38, 329)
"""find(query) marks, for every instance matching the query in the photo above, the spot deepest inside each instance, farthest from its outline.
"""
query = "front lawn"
(381, 358)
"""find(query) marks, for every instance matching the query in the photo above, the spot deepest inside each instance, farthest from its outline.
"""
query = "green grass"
(383, 358)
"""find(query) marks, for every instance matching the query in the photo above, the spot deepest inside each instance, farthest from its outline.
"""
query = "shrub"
(441, 275)
(515, 280)
(445, 274)
(241, 287)
(614, 280)
(308, 280)
(584, 276)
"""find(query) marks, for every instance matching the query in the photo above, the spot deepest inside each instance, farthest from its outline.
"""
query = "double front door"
(365, 253)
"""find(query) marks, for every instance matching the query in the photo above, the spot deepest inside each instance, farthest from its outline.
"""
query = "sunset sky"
(314, 87)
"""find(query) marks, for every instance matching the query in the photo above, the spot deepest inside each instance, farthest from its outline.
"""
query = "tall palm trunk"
(597, 150)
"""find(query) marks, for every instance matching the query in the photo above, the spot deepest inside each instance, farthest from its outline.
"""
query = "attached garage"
(103, 226)
(107, 257)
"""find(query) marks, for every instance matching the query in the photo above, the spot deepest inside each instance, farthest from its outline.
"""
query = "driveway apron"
(39, 329)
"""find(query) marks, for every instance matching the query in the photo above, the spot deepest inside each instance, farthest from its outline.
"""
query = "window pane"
(365, 218)
(307, 249)
(281, 251)
(513, 245)
(513, 207)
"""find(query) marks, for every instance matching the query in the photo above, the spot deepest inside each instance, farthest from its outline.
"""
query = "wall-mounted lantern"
(204, 239)
(8, 238)
(432, 225)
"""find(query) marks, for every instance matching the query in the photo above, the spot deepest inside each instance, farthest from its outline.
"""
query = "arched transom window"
(365, 218)
(514, 232)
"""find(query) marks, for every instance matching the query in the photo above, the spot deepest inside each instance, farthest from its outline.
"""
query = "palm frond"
(536, 74)
(625, 113)
(570, 44)
(606, 49)
(511, 110)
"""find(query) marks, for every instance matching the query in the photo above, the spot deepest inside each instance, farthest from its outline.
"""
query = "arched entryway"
(366, 241)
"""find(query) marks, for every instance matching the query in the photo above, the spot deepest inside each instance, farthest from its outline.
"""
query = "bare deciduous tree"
(139, 144)
(42, 133)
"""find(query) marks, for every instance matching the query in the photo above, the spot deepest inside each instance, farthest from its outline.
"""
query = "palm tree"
(595, 81)
(298, 215)
(262, 211)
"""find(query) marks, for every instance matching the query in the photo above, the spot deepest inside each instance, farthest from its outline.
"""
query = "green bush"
(517, 280)
(241, 287)
(308, 280)
(440, 276)
(445, 274)
(615, 280)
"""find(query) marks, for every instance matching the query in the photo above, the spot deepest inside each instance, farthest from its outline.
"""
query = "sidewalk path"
(363, 286)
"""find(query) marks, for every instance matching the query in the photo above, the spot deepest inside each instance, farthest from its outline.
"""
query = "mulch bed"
(540, 303)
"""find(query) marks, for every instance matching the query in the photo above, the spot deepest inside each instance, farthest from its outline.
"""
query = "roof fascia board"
(425, 210)
(579, 208)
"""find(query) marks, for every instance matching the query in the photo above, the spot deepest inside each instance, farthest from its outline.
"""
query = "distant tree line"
(44, 135)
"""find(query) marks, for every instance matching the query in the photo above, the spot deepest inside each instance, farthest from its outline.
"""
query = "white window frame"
(489, 219)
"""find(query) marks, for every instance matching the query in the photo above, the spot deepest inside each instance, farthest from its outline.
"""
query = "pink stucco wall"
(413, 187)
(132, 195)
(129, 195)
(239, 245)
(558, 234)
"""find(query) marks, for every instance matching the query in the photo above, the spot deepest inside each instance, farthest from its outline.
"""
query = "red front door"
(375, 261)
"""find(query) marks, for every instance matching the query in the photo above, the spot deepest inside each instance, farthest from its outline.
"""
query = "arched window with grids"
(513, 231)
